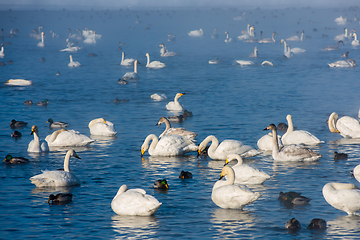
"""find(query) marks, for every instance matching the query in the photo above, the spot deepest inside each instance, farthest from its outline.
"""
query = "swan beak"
(265, 129)
(221, 176)
(32, 131)
(226, 162)
(199, 152)
(77, 156)
(142, 152)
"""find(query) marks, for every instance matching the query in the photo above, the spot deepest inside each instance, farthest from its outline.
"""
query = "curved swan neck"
(54, 135)
(97, 120)
(214, 144)
(332, 122)
(229, 172)
(154, 139)
(67, 161)
(167, 123)
(233, 157)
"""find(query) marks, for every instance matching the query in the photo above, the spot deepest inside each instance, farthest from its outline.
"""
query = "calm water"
(228, 101)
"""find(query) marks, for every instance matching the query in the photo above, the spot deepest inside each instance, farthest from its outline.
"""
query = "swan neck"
(67, 162)
(302, 36)
(154, 141)
(275, 147)
(332, 123)
(148, 59)
(122, 56)
(71, 59)
(214, 145)
(167, 123)
(135, 67)
(290, 125)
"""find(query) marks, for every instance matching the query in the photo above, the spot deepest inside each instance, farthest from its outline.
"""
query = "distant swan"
(348, 127)
(215, 34)
(2, 54)
(341, 63)
(175, 131)
(355, 42)
(18, 82)
(169, 145)
(255, 53)
(58, 178)
(268, 40)
(73, 63)
(245, 62)
(42, 43)
(126, 62)
(226, 194)
(340, 20)
(70, 48)
(90, 39)
(342, 37)
(215, 61)
(296, 38)
(153, 64)
(290, 152)
(165, 53)
(245, 174)
(36, 145)
(132, 75)
(332, 47)
(175, 105)
(101, 127)
(158, 97)
(196, 33)
(134, 202)
(228, 39)
(65, 138)
(221, 151)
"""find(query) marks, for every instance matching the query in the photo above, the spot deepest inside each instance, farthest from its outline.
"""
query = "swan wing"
(348, 127)
(103, 129)
(55, 178)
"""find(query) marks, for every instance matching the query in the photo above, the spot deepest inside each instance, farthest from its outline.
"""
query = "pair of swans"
(165, 53)
(341, 63)
(226, 194)
(221, 151)
(348, 127)
(249, 63)
(168, 145)
(228, 39)
(288, 50)
(36, 145)
(101, 127)
(196, 33)
(248, 34)
(132, 75)
(296, 38)
(73, 63)
(65, 138)
(90, 38)
(42, 43)
(134, 202)
(70, 47)
(126, 61)
(291, 152)
(344, 196)
(175, 131)
(267, 40)
(175, 105)
(153, 64)
(58, 178)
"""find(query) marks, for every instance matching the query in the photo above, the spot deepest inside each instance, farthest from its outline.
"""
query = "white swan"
(36, 145)
(175, 131)
(228, 39)
(175, 105)
(248, 34)
(134, 202)
(165, 53)
(90, 39)
(58, 178)
(73, 63)
(265, 143)
(342, 37)
(348, 127)
(341, 63)
(355, 42)
(101, 127)
(255, 53)
(268, 40)
(132, 75)
(126, 61)
(158, 97)
(226, 194)
(296, 38)
(153, 64)
(332, 47)
(215, 61)
(287, 50)
(226, 147)
(298, 136)
(65, 138)
(169, 145)
(2, 54)
(297, 50)
(245, 174)
(267, 63)
(245, 62)
(42, 43)
(196, 33)
(70, 47)
(342, 196)
(290, 152)
(340, 20)
(18, 82)
(215, 34)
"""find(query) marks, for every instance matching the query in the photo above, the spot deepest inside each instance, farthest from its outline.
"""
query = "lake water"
(227, 100)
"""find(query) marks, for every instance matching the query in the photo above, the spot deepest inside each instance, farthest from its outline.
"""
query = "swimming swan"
(126, 61)
(355, 42)
(342, 37)
(42, 43)
(2, 54)
(290, 152)
(168, 145)
(36, 145)
(18, 82)
(341, 63)
(227, 39)
(255, 53)
(101, 127)
(134, 202)
(90, 38)
(298, 136)
(332, 47)
(65, 138)
(245, 174)
(153, 64)
(268, 40)
(348, 127)
(72, 63)
(132, 75)
(226, 194)
(226, 147)
(245, 62)
(196, 33)
(296, 38)
(165, 53)
(175, 131)
(58, 178)
(70, 47)
(175, 105)
(340, 20)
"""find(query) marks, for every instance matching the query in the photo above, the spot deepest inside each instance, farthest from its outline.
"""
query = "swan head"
(147, 55)
(34, 129)
(73, 153)
(226, 171)
(233, 157)
(289, 118)
(161, 120)
(161, 184)
(179, 95)
(271, 127)
(162, 45)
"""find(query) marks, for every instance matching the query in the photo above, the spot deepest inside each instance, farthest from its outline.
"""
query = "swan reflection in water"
(135, 227)
(229, 222)
(346, 226)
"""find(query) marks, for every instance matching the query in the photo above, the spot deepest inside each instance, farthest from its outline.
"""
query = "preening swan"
(221, 151)
(165, 53)
(101, 127)
(2, 54)
(226, 194)
(90, 38)
(73, 63)
(296, 38)
(298, 136)
(332, 47)
(168, 145)
(348, 127)
(42, 43)
(175, 131)
(158, 97)
(70, 47)
(267, 63)
(290, 152)
(153, 64)
(65, 138)
(18, 82)
(255, 53)
(341, 63)
(196, 33)
(58, 178)
(36, 145)
(132, 75)
(268, 40)
(175, 105)
(134, 202)
(245, 174)
(126, 61)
